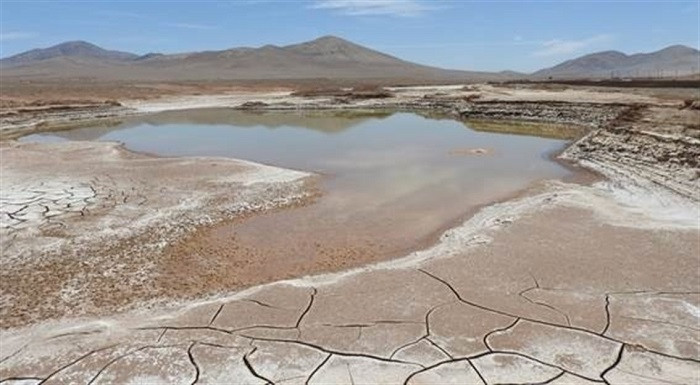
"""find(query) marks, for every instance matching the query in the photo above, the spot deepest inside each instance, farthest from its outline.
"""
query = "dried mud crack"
(567, 284)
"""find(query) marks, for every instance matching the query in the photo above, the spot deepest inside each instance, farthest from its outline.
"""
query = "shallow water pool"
(392, 180)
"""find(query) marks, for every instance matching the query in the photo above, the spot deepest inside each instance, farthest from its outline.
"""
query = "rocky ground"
(566, 284)
(655, 145)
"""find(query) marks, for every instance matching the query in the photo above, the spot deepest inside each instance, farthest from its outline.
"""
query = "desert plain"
(114, 269)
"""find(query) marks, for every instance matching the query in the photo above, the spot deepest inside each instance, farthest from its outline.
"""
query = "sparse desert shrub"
(691, 104)
(472, 97)
(112, 102)
(252, 105)
(318, 92)
(379, 94)
(359, 92)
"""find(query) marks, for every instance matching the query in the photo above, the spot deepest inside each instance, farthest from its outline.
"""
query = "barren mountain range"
(676, 60)
(325, 57)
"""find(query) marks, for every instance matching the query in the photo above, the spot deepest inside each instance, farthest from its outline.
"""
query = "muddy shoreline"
(582, 122)
(652, 138)
(590, 318)
(174, 287)
(554, 283)
(91, 234)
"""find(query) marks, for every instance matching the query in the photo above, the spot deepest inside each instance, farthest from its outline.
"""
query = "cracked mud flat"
(568, 284)
(369, 187)
(93, 230)
(559, 308)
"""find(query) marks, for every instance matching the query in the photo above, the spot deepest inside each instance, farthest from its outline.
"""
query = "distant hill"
(74, 49)
(676, 60)
(326, 57)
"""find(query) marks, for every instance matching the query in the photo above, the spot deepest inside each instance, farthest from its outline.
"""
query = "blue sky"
(473, 35)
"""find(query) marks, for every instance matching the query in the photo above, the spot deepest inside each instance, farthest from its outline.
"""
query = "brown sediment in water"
(539, 129)
(236, 254)
(85, 239)
(301, 239)
(191, 257)
(560, 284)
(266, 247)
(566, 311)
